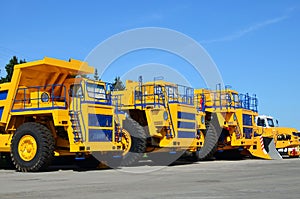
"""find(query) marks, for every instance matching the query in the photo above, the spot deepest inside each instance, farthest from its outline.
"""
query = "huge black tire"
(210, 144)
(43, 153)
(138, 142)
(213, 132)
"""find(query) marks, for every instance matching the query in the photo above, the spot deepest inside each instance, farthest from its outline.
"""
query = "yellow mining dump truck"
(46, 111)
(287, 139)
(238, 132)
(166, 113)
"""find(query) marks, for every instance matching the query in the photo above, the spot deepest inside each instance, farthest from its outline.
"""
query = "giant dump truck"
(47, 110)
(287, 139)
(238, 133)
(166, 113)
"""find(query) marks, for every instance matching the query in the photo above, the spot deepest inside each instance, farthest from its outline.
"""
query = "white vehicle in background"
(287, 139)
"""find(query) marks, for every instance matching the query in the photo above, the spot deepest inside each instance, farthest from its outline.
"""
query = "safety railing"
(52, 96)
(180, 94)
(155, 94)
(116, 100)
(249, 102)
(149, 95)
(226, 99)
(217, 100)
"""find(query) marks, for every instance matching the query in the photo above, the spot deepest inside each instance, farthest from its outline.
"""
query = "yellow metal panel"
(102, 146)
(257, 150)
(285, 133)
(60, 117)
(183, 143)
(156, 122)
(5, 140)
(72, 66)
(11, 94)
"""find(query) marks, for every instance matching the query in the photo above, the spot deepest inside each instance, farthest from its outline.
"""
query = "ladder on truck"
(77, 120)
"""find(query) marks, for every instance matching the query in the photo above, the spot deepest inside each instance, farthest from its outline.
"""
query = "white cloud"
(247, 30)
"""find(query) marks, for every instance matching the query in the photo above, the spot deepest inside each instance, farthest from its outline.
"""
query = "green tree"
(10, 68)
(118, 84)
(96, 76)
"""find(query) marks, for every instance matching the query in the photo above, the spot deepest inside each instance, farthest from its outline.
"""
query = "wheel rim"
(126, 141)
(27, 148)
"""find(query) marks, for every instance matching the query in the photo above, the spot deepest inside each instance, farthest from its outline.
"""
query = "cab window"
(95, 91)
(270, 122)
(261, 122)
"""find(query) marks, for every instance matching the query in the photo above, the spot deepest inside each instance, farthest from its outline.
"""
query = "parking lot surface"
(212, 179)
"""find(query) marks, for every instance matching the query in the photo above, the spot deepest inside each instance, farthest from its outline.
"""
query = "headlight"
(45, 97)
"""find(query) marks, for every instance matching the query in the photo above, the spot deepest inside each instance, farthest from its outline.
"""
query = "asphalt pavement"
(213, 179)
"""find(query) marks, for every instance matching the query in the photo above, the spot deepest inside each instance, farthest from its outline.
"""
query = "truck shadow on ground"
(61, 164)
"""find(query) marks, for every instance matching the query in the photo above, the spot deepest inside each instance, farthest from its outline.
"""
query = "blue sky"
(255, 44)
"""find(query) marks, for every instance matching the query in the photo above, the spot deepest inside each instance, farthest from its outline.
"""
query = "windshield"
(95, 91)
(270, 122)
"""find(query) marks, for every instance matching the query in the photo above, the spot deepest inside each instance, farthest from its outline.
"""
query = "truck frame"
(235, 115)
(167, 114)
(48, 110)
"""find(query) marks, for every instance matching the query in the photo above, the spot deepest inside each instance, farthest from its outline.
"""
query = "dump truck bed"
(53, 71)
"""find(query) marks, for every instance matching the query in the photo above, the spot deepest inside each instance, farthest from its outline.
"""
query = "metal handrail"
(50, 88)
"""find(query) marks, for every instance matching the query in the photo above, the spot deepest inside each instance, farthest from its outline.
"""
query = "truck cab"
(287, 139)
(266, 121)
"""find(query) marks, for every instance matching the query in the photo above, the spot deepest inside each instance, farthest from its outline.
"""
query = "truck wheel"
(210, 144)
(32, 147)
(134, 142)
